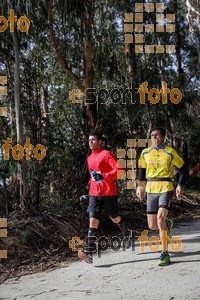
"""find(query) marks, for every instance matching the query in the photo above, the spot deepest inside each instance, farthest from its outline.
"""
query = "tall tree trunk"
(130, 60)
(58, 52)
(22, 163)
(171, 127)
(44, 99)
(90, 104)
(132, 79)
(87, 47)
(178, 48)
(17, 90)
(193, 17)
(5, 195)
(185, 154)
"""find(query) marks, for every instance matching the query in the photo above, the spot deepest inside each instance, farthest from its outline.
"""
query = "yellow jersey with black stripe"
(159, 163)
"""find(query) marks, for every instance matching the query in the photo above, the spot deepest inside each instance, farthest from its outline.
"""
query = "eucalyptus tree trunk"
(132, 81)
(130, 60)
(193, 18)
(90, 105)
(87, 48)
(178, 48)
(19, 126)
(44, 99)
(5, 195)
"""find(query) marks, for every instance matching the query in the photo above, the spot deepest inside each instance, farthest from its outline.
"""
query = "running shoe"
(164, 259)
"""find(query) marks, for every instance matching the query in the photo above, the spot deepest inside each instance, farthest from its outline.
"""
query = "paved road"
(119, 275)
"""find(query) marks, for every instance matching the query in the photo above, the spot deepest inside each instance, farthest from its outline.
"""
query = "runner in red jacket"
(105, 164)
(103, 168)
(195, 170)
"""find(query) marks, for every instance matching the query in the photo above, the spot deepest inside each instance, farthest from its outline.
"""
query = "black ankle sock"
(91, 239)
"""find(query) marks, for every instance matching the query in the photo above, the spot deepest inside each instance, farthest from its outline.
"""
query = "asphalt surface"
(129, 274)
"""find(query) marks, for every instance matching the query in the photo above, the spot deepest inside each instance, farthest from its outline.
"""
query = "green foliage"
(59, 178)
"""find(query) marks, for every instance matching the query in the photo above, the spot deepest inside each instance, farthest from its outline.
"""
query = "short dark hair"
(162, 130)
(97, 134)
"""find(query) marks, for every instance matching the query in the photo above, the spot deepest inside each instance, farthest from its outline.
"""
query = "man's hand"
(87, 187)
(179, 191)
(97, 176)
(191, 172)
(84, 199)
(140, 193)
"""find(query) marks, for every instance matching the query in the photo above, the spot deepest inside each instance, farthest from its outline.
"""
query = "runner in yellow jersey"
(156, 170)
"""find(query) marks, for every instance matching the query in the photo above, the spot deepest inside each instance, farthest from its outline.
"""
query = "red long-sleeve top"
(104, 162)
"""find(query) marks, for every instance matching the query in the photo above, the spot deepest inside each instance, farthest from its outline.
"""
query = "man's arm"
(183, 176)
(112, 162)
(141, 178)
(141, 182)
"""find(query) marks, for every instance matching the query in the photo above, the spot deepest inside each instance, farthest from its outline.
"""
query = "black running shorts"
(97, 203)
